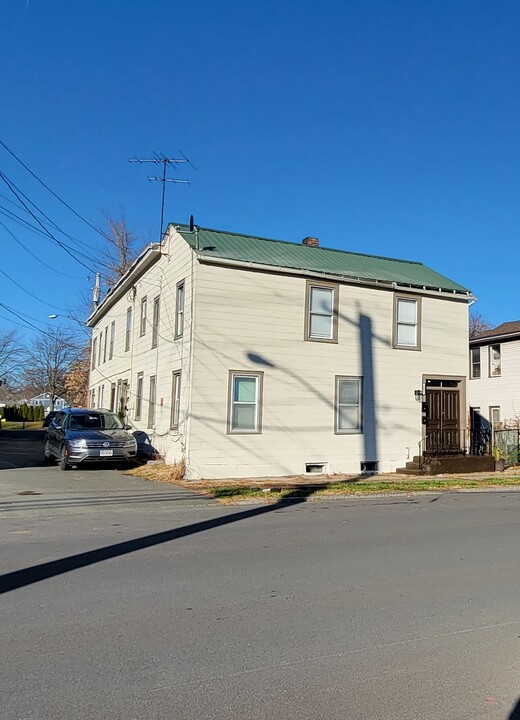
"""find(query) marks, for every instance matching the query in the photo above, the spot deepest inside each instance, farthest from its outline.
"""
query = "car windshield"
(95, 421)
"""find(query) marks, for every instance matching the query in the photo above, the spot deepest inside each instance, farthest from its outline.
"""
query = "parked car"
(78, 435)
(49, 418)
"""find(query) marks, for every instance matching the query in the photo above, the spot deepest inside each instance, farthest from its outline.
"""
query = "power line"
(77, 214)
(58, 272)
(19, 316)
(35, 297)
(6, 181)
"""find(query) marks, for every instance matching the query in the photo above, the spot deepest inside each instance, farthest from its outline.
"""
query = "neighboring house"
(494, 386)
(251, 357)
(45, 400)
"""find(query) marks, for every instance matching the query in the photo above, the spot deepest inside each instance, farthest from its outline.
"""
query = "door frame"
(463, 410)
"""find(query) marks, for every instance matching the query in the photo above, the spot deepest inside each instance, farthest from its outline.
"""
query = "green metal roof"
(279, 253)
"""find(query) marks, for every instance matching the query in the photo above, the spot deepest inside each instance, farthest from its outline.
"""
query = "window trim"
(335, 305)
(94, 352)
(175, 408)
(112, 339)
(128, 327)
(139, 396)
(143, 315)
(360, 429)
(472, 363)
(418, 300)
(259, 375)
(152, 406)
(155, 320)
(179, 315)
(105, 345)
(490, 374)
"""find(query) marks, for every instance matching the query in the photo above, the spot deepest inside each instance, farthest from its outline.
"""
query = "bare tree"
(121, 249)
(477, 324)
(77, 378)
(50, 360)
(11, 353)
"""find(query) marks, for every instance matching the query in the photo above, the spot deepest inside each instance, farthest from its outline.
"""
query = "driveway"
(28, 484)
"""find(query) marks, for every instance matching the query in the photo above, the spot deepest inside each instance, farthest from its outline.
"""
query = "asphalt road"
(124, 599)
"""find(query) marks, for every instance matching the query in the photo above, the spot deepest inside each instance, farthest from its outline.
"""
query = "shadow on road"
(46, 503)
(21, 449)
(44, 571)
(515, 712)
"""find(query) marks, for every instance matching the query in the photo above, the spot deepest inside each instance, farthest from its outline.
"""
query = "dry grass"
(20, 426)
(243, 490)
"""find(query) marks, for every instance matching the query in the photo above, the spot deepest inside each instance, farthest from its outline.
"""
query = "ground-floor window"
(176, 400)
(151, 402)
(245, 402)
(349, 404)
(139, 396)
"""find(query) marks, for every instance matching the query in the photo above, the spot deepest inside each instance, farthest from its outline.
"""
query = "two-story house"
(245, 356)
(494, 385)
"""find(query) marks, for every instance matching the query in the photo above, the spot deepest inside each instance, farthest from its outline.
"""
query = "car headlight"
(81, 443)
(130, 444)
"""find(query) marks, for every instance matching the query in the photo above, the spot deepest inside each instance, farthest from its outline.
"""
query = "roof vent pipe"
(311, 242)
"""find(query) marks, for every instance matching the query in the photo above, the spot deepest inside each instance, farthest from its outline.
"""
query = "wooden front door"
(443, 417)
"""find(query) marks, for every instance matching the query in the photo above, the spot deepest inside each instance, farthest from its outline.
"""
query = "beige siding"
(503, 391)
(170, 354)
(254, 321)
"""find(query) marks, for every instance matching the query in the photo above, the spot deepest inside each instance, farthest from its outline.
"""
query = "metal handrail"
(442, 448)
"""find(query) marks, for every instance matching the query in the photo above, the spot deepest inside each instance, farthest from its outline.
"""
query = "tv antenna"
(165, 161)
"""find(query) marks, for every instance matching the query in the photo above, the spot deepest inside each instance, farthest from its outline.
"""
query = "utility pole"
(161, 159)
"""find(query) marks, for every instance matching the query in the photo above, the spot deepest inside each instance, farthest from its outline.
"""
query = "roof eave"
(492, 338)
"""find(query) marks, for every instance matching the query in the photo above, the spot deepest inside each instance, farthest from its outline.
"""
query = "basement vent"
(315, 468)
(369, 466)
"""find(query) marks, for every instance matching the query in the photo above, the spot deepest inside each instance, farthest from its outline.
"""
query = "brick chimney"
(311, 242)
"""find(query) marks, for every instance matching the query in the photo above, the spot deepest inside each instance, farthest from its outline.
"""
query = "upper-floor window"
(179, 310)
(349, 405)
(155, 322)
(105, 345)
(128, 328)
(245, 402)
(475, 362)
(94, 351)
(407, 319)
(100, 347)
(495, 366)
(112, 340)
(321, 315)
(142, 323)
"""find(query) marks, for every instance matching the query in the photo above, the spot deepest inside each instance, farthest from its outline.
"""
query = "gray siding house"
(246, 356)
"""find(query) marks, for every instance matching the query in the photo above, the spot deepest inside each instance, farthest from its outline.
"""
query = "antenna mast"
(162, 159)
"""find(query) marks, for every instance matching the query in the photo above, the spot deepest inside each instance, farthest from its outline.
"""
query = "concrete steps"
(448, 464)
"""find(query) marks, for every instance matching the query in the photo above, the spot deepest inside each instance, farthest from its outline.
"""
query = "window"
(245, 402)
(151, 403)
(113, 397)
(494, 419)
(176, 400)
(100, 348)
(495, 367)
(128, 328)
(155, 322)
(179, 310)
(139, 397)
(105, 345)
(94, 351)
(475, 362)
(407, 323)
(112, 340)
(102, 400)
(349, 405)
(99, 396)
(142, 323)
(321, 321)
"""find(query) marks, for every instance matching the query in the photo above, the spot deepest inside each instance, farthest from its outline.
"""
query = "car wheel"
(47, 457)
(64, 464)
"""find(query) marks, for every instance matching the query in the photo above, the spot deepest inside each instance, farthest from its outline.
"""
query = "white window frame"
(128, 328)
(156, 320)
(337, 406)
(142, 322)
(139, 396)
(259, 378)
(406, 323)
(309, 313)
(105, 345)
(94, 352)
(152, 395)
(474, 363)
(493, 363)
(180, 297)
(176, 400)
(112, 340)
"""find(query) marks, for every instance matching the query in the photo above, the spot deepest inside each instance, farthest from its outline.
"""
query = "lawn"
(272, 490)
(20, 425)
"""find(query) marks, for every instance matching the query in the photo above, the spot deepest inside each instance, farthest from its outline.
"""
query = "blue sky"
(382, 127)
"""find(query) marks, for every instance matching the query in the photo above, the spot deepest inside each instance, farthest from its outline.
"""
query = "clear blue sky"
(389, 128)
